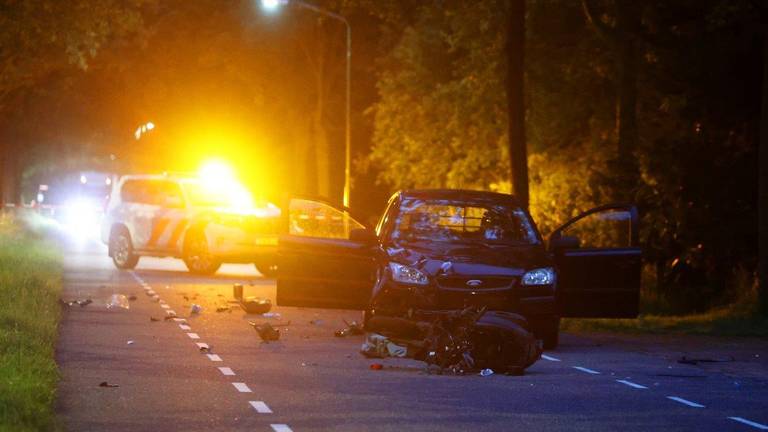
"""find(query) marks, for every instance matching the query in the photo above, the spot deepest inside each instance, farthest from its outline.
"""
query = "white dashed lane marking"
(180, 320)
(185, 327)
(749, 423)
(202, 345)
(633, 385)
(281, 428)
(226, 371)
(193, 335)
(685, 402)
(550, 358)
(260, 407)
(165, 306)
(214, 357)
(589, 371)
(241, 387)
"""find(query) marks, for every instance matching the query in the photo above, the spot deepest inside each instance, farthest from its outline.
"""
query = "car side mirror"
(363, 235)
(563, 242)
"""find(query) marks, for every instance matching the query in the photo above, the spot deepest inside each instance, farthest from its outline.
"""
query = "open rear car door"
(326, 259)
(598, 263)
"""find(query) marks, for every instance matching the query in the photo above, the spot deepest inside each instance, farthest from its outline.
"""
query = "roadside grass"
(30, 286)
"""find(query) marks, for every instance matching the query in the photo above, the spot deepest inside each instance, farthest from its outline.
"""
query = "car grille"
(463, 283)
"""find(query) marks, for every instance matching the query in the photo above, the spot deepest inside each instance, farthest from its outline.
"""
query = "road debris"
(118, 301)
(223, 309)
(195, 309)
(130, 342)
(266, 332)
(353, 328)
(256, 305)
(696, 361)
(106, 384)
(486, 372)
(81, 303)
(207, 349)
(376, 366)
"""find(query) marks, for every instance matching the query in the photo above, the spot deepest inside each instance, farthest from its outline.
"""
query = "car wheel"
(197, 256)
(266, 268)
(122, 250)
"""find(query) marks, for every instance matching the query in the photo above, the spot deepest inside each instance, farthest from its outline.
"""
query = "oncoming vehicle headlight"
(541, 276)
(408, 275)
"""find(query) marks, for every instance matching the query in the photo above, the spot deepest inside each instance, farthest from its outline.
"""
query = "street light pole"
(273, 4)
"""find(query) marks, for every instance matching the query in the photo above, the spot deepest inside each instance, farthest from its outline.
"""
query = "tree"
(518, 151)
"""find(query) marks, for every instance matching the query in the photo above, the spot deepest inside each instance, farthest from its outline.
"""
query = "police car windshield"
(200, 196)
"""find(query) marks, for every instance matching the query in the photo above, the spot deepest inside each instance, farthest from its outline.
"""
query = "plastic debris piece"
(106, 384)
(223, 309)
(353, 328)
(118, 301)
(486, 372)
(376, 366)
(83, 303)
(266, 332)
(375, 346)
(195, 309)
(256, 305)
(130, 342)
(395, 350)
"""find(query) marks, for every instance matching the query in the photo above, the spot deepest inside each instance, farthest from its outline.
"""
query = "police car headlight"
(407, 275)
(541, 276)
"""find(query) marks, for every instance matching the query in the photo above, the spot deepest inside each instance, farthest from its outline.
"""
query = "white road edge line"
(749, 423)
(185, 327)
(193, 335)
(165, 306)
(550, 358)
(227, 371)
(686, 402)
(214, 357)
(281, 428)
(589, 371)
(260, 407)
(633, 385)
(202, 345)
(241, 387)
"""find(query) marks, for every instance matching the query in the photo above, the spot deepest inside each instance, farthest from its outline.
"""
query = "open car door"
(598, 263)
(326, 259)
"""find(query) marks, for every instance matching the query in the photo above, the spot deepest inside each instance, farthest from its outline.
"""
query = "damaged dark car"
(442, 263)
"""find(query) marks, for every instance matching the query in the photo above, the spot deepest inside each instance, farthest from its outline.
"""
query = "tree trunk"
(322, 147)
(762, 198)
(627, 28)
(518, 154)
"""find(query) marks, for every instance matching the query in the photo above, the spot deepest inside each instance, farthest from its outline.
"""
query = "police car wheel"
(122, 251)
(197, 256)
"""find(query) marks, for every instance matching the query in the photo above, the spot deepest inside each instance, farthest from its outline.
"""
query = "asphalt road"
(311, 380)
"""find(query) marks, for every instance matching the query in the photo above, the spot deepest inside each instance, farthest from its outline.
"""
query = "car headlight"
(408, 275)
(541, 276)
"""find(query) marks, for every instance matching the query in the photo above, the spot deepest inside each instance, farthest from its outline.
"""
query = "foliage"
(30, 285)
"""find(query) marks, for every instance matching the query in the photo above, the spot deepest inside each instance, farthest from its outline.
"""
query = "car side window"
(308, 218)
(133, 191)
(610, 228)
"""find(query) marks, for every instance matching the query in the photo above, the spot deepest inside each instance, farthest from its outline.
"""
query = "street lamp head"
(272, 5)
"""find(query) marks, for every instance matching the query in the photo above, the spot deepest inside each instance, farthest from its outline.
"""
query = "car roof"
(459, 195)
(171, 177)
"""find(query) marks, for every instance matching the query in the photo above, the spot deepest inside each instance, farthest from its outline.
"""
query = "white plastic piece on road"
(260, 407)
(185, 327)
(749, 423)
(686, 402)
(281, 428)
(193, 335)
(227, 371)
(550, 358)
(587, 370)
(241, 387)
(214, 357)
(633, 385)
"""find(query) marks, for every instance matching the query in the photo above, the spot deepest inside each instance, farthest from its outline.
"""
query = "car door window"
(316, 219)
(134, 191)
(610, 228)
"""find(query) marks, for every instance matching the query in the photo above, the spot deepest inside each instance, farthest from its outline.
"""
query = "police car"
(185, 217)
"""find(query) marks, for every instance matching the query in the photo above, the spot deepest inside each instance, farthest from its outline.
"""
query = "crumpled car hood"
(466, 259)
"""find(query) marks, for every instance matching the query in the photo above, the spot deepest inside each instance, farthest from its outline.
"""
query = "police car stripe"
(177, 233)
(158, 227)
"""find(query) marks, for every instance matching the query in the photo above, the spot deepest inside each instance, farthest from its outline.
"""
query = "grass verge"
(738, 319)
(30, 286)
